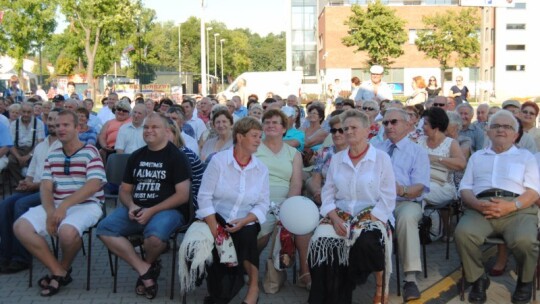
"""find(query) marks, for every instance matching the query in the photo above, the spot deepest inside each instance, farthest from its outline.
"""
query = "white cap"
(376, 69)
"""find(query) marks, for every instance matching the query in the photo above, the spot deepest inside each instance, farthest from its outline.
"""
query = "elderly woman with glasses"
(358, 199)
(433, 88)
(528, 115)
(371, 108)
(109, 131)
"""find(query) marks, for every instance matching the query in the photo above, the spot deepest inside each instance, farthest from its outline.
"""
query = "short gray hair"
(353, 113)
(372, 104)
(464, 105)
(454, 119)
(401, 112)
(507, 114)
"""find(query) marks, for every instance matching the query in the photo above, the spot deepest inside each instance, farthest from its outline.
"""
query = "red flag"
(1, 16)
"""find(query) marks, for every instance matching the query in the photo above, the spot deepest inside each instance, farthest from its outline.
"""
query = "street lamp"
(208, 50)
(215, 54)
(221, 44)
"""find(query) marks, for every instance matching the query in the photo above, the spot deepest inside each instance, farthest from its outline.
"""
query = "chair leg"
(449, 231)
(398, 280)
(173, 270)
(30, 272)
(111, 263)
(115, 272)
(89, 259)
(462, 285)
(424, 257)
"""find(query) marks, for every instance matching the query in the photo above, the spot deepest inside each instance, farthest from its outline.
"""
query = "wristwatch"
(518, 204)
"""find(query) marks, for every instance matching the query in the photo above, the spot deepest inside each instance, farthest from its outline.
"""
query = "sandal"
(152, 274)
(139, 287)
(302, 284)
(62, 281)
(45, 280)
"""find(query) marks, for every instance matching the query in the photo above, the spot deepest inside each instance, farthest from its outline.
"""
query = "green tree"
(267, 53)
(451, 38)
(101, 22)
(27, 24)
(376, 30)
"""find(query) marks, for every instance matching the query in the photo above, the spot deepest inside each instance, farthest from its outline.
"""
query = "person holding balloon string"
(235, 193)
(358, 199)
(284, 164)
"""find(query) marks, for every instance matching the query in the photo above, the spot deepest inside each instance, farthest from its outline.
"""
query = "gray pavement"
(14, 288)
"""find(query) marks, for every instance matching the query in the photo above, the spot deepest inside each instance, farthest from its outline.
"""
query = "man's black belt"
(496, 193)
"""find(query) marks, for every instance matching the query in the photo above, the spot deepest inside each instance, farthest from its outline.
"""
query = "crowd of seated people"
(370, 166)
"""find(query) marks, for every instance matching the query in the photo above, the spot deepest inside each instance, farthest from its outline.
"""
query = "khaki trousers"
(408, 214)
(518, 229)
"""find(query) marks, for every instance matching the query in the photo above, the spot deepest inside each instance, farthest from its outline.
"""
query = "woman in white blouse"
(235, 188)
(358, 200)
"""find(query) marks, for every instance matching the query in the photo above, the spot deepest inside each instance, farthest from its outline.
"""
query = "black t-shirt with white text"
(154, 174)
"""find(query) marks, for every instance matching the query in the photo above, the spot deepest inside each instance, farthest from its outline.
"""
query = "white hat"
(289, 111)
(376, 69)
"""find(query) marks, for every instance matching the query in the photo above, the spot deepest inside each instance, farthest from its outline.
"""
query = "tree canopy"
(27, 24)
(376, 30)
(451, 37)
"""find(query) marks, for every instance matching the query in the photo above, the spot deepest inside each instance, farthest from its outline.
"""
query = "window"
(413, 35)
(519, 6)
(515, 47)
(515, 26)
(517, 68)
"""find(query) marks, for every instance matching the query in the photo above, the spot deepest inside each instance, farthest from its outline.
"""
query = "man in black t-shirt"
(155, 186)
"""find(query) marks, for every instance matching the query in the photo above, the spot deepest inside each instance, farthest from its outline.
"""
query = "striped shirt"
(197, 170)
(69, 174)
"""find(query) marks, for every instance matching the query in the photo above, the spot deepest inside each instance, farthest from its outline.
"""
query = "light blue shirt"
(5, 136)
(411, 164)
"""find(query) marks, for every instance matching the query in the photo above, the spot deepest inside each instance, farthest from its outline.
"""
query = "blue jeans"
(161, 225)
(11, 209)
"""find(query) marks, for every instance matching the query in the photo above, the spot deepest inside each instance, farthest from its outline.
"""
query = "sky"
(262, 17)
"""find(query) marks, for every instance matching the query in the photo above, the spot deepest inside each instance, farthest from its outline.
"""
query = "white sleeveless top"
(443, 150)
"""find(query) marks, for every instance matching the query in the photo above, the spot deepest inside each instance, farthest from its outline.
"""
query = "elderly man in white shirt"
(130, 135)
(500, 188)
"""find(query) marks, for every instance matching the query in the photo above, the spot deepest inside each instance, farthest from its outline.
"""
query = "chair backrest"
(116, 165)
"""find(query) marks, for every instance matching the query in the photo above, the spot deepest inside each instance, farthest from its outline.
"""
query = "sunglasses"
(368, 109)
(393, 122)
(122, 110)
(439, 105)
(334, 131)
(67, 164)
(528, 113)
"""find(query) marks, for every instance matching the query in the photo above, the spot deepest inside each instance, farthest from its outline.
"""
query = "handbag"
(273, 279)
(439, 173)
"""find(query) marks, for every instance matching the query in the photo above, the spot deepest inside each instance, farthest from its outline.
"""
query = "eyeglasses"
(393, 122)
(440, 105)
(352, 128)
(122, 110)
(334, 131)
(432, 80)
(528, 113)
(67, 164)
(368, 109)
(499, 126)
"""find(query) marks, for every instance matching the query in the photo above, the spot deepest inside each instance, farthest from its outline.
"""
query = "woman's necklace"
(355, 157)
(242, 165)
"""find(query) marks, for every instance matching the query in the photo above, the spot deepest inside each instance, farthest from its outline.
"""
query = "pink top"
(112, 130)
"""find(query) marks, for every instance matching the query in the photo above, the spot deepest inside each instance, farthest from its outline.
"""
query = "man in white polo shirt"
(130, 135)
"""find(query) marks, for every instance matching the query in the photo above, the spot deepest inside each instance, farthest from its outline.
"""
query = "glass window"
(413, 35)
(519, 6)
(518, 68)
(515, 47)
(515, 26)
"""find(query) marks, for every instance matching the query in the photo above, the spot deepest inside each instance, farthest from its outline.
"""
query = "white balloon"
(299, 215)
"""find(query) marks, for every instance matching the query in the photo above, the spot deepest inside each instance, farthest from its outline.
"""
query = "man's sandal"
(62, 281)
(45, 280)
(152, 274)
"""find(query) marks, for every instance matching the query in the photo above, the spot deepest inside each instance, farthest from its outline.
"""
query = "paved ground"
(437, 288)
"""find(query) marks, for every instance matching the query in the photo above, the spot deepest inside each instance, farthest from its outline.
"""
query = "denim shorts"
(161, 225)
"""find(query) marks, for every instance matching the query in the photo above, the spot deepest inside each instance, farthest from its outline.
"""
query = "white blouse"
(352, 188)
(233, 192)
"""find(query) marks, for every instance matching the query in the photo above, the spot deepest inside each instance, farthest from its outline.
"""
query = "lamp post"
(208, 51)
(203, 52)
(215, 54)
(221, 44)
